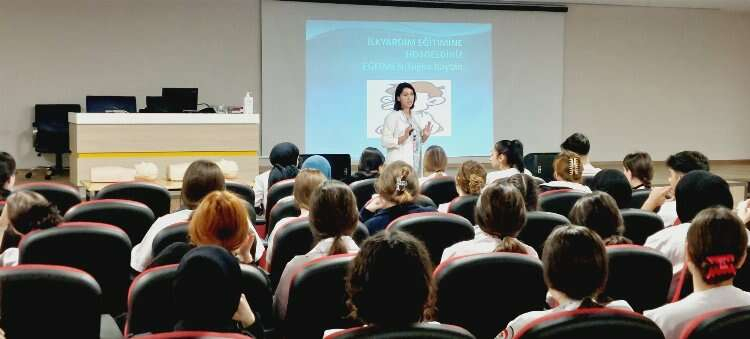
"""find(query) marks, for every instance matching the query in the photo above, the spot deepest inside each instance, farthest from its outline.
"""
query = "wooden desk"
(125, 139)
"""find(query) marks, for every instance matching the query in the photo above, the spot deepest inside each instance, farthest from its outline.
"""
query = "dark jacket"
(377, 221)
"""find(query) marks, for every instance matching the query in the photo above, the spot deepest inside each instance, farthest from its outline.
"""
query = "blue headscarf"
(319, 163)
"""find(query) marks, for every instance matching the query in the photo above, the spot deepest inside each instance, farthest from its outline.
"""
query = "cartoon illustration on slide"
(432, 104)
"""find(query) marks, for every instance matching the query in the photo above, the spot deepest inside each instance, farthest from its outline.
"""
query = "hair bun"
(476, 183)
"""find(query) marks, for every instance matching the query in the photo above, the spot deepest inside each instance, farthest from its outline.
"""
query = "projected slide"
(353, 67)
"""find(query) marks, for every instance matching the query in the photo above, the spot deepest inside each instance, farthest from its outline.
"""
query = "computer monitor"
(110, 104)
(181, 99)
(156, 104)
(341, 164)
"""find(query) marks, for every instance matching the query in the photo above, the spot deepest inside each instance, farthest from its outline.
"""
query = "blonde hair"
(220, 219)
(471, 177)
(306, 182)
(568, 166)
(398, 183)
(435, 159)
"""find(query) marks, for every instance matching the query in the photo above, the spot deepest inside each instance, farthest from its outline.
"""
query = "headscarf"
(319, 163)
(207, 290)
(283, 158)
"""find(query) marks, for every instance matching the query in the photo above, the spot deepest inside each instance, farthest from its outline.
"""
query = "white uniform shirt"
(672, 318)
(567, 185)
(431, 176)
(394, 126)
(142, 254)
(495, 175)
(522, 320)
(482, 243)
(589, 170)
(671, 242)
(260, 188)
(668, 212)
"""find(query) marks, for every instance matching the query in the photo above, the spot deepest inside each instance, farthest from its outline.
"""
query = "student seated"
(396, 188)
(639, 170)
(528, 188)
(695, 191)
(221, 219)
(333, 219)
(201, 178)
(616, 184)
(568, 174)
(500, 215)
(370, 163)
(283, 158)
(598, 211)
(579, 144)
(319, 163)
(662, 198)
(306, 182)
(470, 180)
(7, 174)
(575, 270)
(716, 249)
(435, 163)
(25, 211)
(507, 158)
(389, 282)
(207, 294)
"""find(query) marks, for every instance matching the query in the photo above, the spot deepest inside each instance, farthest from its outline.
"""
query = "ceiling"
(743, 5)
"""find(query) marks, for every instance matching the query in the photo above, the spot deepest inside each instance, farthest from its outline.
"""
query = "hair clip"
(720, 265)
(571, 166)
(401, 185)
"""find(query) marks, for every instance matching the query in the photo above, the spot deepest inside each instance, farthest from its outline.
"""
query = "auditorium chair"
(275, 193)
(194, 335)
(436, 230)
(418, 330)
(638, 198)
(101, 250)
(464, 206)
(283, 208)
(132, 217)
(684, 284)
(152, 195)
(177, 232)
(317, 298)
(61, 195)
(425, 201)
(296, 238)
(591, 323)
(539, 225)
(363, 191)
(639, 275)
(47, 301)
(241, 190)
(640, 224)
(558, 201)
(728, 323)
(439, 189)
(151, 302)
(508, 284)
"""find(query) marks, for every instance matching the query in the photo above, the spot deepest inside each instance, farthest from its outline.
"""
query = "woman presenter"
(404, 133)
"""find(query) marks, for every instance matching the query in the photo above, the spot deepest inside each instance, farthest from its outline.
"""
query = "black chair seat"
(639, 275)
(420, 330)
(439, 189)
(436, 230)
(282, 209)
(363, 191)
(62, 196)
(731, 323)
(132, 217)
(152, 195)
(275, 193)
(639, 197)
(464, 206)
(539, 225)
(560, 202)
(591, 323)
(171, 234)
(640, 224)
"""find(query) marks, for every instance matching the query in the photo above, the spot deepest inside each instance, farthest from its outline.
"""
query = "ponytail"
(516, 155)
(510, 245)
(337, 247)
(589, 302)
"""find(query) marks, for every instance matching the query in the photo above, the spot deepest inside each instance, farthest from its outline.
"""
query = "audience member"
(507, 157)
(716, 248)
(435, 163)
(661, 198)
(370, 163)
(207, 294)
(221, 219)
(25, 211)
(7, 174)
(579, 144)
(397, 190)
(333, 219)
(283, 158)
(575, 270)
(470, 180)
(527, 186)
(304, 185)
(639, 170)
(616, 184)
(500, 215)
(598, 211)
(568, 174)
(319, 163)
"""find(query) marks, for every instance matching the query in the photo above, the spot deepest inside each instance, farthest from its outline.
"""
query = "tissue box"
(146, 171)
(229, 168)
(112, 174)
(175, 172)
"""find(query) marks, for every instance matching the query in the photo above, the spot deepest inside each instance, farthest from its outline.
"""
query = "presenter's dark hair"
(400, 88)
(513, 150)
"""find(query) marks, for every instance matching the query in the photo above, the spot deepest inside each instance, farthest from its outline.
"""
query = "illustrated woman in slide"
(405, 132)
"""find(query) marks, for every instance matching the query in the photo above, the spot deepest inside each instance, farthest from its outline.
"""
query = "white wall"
(662, 80)
(669, 79)
(56, 51)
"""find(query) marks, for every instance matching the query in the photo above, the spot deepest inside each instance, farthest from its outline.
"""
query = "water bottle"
(248, 106)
